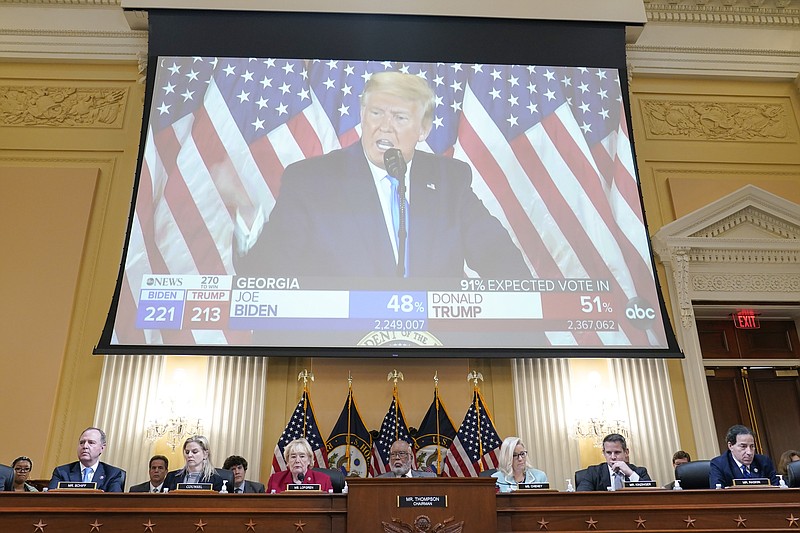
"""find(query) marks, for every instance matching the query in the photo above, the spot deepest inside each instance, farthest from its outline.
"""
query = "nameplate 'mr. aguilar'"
(422, 501)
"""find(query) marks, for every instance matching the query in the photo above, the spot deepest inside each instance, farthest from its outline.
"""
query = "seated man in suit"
(88, 468)
(159, 466)
(740, 461)
(400, 461)
(678, 458)
(238, 465)
(615, 470)
(6, 478)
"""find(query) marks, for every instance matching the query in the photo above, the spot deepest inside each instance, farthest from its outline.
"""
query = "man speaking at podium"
(340, 214)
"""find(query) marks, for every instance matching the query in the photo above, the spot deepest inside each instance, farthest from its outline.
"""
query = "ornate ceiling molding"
(750, 12)
(63, 2)
(680, 38)
(68, 30)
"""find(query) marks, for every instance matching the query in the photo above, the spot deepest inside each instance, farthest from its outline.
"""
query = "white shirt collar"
(92, 467)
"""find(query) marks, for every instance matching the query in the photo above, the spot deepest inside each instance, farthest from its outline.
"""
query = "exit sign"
(746, 319)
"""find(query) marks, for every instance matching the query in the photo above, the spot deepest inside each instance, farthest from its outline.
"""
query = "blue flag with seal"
(350, 444)
(434, 436)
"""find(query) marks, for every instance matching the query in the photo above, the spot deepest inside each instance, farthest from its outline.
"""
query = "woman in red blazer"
(298, 455)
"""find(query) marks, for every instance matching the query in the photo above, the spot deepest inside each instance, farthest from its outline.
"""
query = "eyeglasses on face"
(520, 455)
(399, 455)
(22, 470)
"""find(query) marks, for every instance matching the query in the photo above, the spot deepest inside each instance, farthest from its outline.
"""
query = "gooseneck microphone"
(396, 167)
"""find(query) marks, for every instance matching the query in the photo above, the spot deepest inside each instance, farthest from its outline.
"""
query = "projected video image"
(360, 204)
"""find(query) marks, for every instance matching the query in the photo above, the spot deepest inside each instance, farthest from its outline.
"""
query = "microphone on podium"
(396, 166)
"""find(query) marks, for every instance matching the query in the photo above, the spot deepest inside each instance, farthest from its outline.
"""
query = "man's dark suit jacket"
(143, 487)
(328, 222)
(220, 475)
(108, 478)
(252, 487)
(414, 473)
(598, 478)
(724, 470)
(6, 478)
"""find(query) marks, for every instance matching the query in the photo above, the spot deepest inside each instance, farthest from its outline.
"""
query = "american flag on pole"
(548, 146)
(393, 428)
(476, 444)
(303, 424)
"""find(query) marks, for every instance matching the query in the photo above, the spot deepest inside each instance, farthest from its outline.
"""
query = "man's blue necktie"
(396, 220)
(745, 471)
(86, 472)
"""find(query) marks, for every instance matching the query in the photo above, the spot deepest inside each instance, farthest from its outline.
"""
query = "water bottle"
(677, 485)
(224, 489)
(570, 488)
(781, 483)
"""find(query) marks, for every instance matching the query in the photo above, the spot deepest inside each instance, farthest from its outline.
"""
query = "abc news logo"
(640, 313)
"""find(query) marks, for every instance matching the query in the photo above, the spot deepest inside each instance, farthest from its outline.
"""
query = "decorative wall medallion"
(423, 524)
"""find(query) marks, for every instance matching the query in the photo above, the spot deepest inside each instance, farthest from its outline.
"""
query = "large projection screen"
(267, 218)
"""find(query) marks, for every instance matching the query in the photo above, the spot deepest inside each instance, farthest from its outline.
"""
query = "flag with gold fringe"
(476, 444)
(434, 436)
(302, 423)
(349, 445)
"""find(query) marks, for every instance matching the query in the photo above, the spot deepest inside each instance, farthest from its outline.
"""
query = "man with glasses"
(400, 461)
(740, 461)
(612, 474)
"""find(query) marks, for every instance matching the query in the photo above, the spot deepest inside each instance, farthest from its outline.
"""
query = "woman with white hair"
(299, 456)
(514, 467)
(198, 467)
